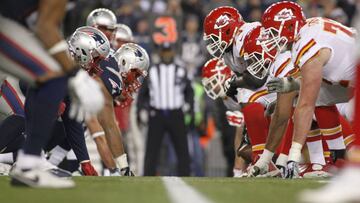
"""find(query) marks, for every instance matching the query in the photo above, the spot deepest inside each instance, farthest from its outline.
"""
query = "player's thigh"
(22, 54)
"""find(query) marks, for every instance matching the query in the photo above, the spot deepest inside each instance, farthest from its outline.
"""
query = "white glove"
(235, 118)
(87, 98)
(283, 85)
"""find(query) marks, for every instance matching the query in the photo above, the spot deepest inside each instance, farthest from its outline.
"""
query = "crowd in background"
(140, 15)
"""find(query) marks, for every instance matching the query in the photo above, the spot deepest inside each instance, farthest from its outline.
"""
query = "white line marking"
(180, 192)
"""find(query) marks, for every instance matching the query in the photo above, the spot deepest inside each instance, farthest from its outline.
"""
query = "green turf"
(251, 190)
(151, 190)
(90, 190)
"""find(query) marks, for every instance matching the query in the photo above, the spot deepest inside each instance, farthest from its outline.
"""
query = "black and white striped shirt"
(167, 87)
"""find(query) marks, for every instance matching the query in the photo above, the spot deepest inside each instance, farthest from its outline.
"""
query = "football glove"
(86, 96)
(292, 170)
(88, 169)
(235, 118)
(126, 172)
(283, 85)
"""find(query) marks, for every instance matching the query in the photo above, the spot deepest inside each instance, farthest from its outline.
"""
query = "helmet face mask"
(214, 86)
(215, 46)
(257, 58)
(133, 62)
(282, 22)
(82, 49)
(258, 65)
(220, 28)
(215, 73)
(273, 44)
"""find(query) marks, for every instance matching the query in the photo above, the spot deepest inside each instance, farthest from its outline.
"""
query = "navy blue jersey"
(111, 76)
(18, 10)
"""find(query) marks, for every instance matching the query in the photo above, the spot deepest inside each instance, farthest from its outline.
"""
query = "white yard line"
(181, 192)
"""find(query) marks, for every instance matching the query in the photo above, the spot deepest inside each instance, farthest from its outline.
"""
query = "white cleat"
(4, 169)
(38, 178)
(343, 188)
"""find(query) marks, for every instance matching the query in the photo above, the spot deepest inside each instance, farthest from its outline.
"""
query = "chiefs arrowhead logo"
(221, 22)
(284, 15)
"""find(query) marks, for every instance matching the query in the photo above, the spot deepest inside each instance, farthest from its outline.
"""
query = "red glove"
(88, 169)
(61, 109)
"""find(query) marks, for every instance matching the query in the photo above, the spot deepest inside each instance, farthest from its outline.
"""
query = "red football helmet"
(257, 59)
(282, 22)
(220, 27)
(214, 74)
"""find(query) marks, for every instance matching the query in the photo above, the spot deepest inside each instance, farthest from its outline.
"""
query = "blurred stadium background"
(210, 137)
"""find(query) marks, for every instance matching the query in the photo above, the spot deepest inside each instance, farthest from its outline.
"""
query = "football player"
(39, 57)
(118, 75)
(317, 50)
(13, 124)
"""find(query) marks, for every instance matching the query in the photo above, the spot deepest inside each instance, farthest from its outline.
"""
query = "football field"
(161, 190)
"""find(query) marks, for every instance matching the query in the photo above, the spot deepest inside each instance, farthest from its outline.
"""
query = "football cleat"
(316, 171)
(38, 178)
(238, 173)
(56, 171)
(4, 169)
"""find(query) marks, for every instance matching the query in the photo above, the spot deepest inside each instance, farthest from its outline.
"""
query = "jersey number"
(168, 32)
(335, 27)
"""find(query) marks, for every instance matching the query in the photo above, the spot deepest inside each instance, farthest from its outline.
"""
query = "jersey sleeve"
(304, 50)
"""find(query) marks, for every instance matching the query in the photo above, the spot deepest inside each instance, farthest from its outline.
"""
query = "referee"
(167, 93)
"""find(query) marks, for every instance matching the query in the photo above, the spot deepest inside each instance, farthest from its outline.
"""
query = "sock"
(7, 158)
(57, 155)
(28, 161)
(329, 123)
(295, 152)
(315, 148)
(348, 132)
(122, 161)
(41, 106)
(257, 127)
(327, 154)
(282, 160)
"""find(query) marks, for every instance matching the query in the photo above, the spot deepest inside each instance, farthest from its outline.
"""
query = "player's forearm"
(277, 129)
(302, 121)
(47, 29)
(105, 152)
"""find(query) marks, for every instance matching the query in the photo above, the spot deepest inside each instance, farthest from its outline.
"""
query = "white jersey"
(281, 67)
(233, 59)
(321, 33)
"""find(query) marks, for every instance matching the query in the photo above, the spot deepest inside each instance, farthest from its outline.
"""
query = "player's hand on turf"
(282, 85)
(88, 169)
(292, 170)
(235, 118)
(86, 96)
(127, 172)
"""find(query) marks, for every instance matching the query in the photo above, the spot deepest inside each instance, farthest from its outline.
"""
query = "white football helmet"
(132, 56)
(87, 45)
(101, 17)
(82, 47)
(123, 32)
(102, 43)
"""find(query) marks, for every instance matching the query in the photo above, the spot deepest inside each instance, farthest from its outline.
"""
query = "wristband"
(97, 134)
(58, 47)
